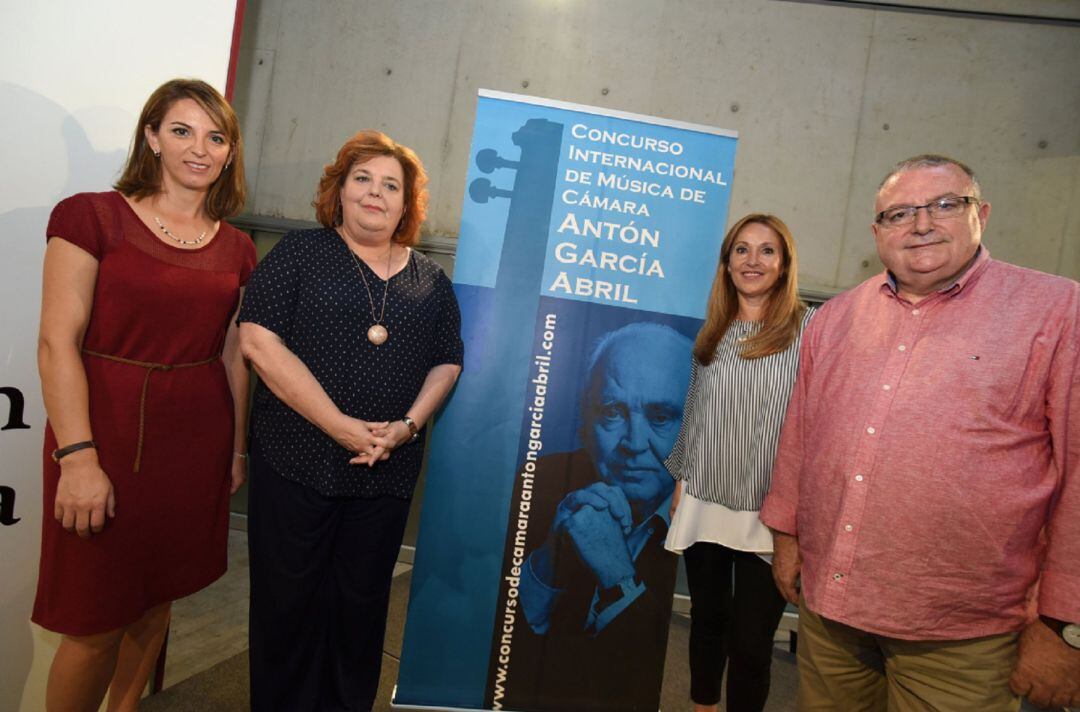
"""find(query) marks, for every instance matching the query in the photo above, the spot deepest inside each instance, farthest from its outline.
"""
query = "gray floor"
(211, 626)
(206, 663)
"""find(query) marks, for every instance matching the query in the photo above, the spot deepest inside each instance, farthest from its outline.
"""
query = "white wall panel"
(73, 77)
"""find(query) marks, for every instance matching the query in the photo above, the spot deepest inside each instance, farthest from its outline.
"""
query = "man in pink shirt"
(926, 491)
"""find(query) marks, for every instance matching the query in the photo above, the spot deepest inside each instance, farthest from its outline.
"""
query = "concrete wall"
(825, 96)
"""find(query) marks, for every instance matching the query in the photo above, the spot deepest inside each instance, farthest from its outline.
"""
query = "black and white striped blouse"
(731, 422)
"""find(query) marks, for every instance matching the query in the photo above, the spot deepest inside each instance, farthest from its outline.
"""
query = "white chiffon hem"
(699, 521)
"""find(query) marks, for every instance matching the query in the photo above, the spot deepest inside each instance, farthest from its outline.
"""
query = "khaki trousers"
(843, 669)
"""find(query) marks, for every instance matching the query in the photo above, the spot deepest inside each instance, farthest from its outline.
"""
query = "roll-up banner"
(589, 238)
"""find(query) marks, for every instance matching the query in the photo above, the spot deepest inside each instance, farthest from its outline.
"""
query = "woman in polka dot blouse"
(356, 340)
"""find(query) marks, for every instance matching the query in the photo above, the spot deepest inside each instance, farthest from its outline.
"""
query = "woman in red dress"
(146, 394)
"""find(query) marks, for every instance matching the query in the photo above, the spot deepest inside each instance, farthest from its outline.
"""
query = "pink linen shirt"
(928, 460)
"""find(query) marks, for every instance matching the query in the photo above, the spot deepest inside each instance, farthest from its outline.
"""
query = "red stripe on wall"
(234, 51)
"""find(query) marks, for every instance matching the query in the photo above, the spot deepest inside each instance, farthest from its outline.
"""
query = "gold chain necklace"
(377, 334)
(165, 230)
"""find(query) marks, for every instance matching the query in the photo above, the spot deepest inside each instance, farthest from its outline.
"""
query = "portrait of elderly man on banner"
(588, 587)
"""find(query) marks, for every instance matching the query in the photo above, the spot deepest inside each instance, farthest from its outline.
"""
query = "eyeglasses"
(939, 209)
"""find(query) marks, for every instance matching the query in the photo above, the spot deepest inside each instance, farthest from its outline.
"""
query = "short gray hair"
(931, 160)
(638, 329)
(644, 330)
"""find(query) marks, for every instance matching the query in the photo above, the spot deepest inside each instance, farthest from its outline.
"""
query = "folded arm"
(293, 383)
(433, 392)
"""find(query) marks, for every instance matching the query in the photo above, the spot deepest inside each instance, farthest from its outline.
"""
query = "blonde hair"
(783, 315)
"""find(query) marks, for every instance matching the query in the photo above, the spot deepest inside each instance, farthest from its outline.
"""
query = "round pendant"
(377, 334)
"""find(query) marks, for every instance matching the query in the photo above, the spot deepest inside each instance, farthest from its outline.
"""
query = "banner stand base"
(394, 705)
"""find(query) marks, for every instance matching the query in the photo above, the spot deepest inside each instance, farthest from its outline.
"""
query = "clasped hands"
(372, 441)
(597, 520)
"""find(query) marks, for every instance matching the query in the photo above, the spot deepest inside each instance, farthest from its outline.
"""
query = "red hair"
(361, 148)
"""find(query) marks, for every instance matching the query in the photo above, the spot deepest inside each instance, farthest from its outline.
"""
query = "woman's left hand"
(383, 439)
(676, 497)
(394, 434)
(238, 473)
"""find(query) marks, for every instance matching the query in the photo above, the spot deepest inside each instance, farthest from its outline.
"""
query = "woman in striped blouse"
(744, 365)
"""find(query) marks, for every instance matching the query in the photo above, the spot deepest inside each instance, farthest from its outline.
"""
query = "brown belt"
(150, 368)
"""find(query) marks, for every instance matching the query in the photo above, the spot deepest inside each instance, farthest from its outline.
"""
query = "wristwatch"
(1069, 632)
(412, 428)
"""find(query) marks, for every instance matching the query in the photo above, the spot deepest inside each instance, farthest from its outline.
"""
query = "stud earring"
(157, 154)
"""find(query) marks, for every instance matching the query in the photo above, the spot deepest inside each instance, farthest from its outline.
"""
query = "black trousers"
(731, 624)
(321, 569)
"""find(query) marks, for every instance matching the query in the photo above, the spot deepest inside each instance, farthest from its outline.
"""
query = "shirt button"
(848, 527)
(901, 347)
(837, 577)
(871, 430)
(858, 478)
(914, 312)
(886, 387)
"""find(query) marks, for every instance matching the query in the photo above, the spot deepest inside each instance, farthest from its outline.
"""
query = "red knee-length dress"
(161, 304)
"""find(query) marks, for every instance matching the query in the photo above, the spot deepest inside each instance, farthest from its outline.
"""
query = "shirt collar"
(640, 535)
(662, 513)
(982, 256)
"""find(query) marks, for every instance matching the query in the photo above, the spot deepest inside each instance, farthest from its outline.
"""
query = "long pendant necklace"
(165, 230)
(377, 334)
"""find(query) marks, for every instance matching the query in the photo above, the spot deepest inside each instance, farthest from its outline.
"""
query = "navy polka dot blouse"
(309, 292)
